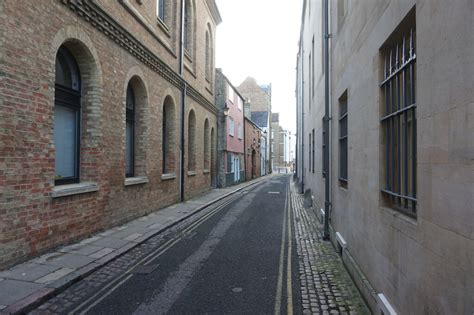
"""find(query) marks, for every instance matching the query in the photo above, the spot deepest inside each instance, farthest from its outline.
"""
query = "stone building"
(400, 147)
(104, 115)
(231, 159)
(253, 149)
(279, 143)
(259, 99)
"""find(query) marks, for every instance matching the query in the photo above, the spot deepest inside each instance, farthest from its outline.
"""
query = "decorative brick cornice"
(103, 22)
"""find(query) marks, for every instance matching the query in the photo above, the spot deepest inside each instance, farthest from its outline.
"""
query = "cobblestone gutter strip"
(40, 296)
(326, 287)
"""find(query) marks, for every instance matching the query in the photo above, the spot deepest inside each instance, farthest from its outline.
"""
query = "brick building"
(253, 149)
(259, 99)
(104, 115)
(231, 160)
(396, 184)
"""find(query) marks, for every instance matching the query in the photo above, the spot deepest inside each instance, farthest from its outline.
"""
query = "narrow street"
(232, 257)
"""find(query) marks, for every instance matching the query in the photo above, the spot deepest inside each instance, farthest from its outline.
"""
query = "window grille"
(312, 163)
(325, 127)
(343, 141)
(399, 124)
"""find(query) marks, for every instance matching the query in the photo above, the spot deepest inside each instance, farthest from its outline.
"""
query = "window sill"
(168, 176)
(74, 189)
(136, 180)
(192, 173)
(206, 171)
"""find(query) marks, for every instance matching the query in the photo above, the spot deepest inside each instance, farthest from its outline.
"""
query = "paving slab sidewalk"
(25, 285)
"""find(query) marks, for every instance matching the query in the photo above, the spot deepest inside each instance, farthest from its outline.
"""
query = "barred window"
(399, 121)
(324, 159)
(343, 140)
(310, 154)
(312, 151)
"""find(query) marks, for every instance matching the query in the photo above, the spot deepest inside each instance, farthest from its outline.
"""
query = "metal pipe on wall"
(183, 103)
(327, 118)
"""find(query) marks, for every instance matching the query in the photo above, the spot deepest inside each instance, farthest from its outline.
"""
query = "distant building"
(231, 158)
(401, 153)
(279, 143)
(260, 103)
(253, 149)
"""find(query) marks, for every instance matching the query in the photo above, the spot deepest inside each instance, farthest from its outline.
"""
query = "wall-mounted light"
(226, 109)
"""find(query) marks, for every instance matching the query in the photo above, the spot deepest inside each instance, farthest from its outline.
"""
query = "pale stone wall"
(423, 265)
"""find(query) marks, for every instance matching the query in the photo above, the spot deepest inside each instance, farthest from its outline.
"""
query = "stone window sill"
(206, 171)
(168, 176)
(129, 181)
(74, 189)
(192, 173)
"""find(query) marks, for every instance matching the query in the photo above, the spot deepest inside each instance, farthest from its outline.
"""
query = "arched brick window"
(168, 135)
(130, 133)
(206, 145)
(209, 54)
(135, 127)
(191, 141)
(67, 118)
(188, 32)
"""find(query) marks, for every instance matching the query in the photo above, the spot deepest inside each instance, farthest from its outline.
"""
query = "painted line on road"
(90, 302)
(289, 286)
(281, 262)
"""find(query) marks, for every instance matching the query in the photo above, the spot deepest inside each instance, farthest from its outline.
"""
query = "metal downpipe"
(327, 118)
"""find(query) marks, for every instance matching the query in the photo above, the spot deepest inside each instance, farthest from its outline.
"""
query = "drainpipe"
(327, 118)
(183, 103)
(302, 134)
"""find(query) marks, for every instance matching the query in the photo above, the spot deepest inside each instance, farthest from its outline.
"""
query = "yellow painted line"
(280, 267)
(289, 287)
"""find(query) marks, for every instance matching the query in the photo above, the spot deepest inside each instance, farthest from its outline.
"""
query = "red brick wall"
(31, 221)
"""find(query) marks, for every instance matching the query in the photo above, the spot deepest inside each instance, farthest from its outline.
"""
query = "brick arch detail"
(142, 118)
(169, 134)
(191, 138)
(85, 54)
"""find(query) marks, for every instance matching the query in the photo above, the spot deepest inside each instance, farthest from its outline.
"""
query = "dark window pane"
(65, 140)
(129, 148)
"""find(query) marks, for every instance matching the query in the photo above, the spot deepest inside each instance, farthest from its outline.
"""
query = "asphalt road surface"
(234, 257)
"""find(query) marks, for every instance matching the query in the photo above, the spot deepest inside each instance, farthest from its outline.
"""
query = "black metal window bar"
(343, 140)
(312, 151)
(310, 157)
(325, 128)
(399, 124)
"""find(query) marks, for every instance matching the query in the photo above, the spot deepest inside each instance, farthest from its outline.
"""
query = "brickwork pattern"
(33, 221)
(326, 287)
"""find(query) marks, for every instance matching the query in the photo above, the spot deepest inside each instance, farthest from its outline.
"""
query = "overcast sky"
(259, 38)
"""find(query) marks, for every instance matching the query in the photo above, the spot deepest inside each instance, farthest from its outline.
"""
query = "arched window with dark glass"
(160, 9)
(130, 133)
(168, 135)
(191, 141)
(188, 30)
(67, 118)
(208, 56)
(206, 145)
